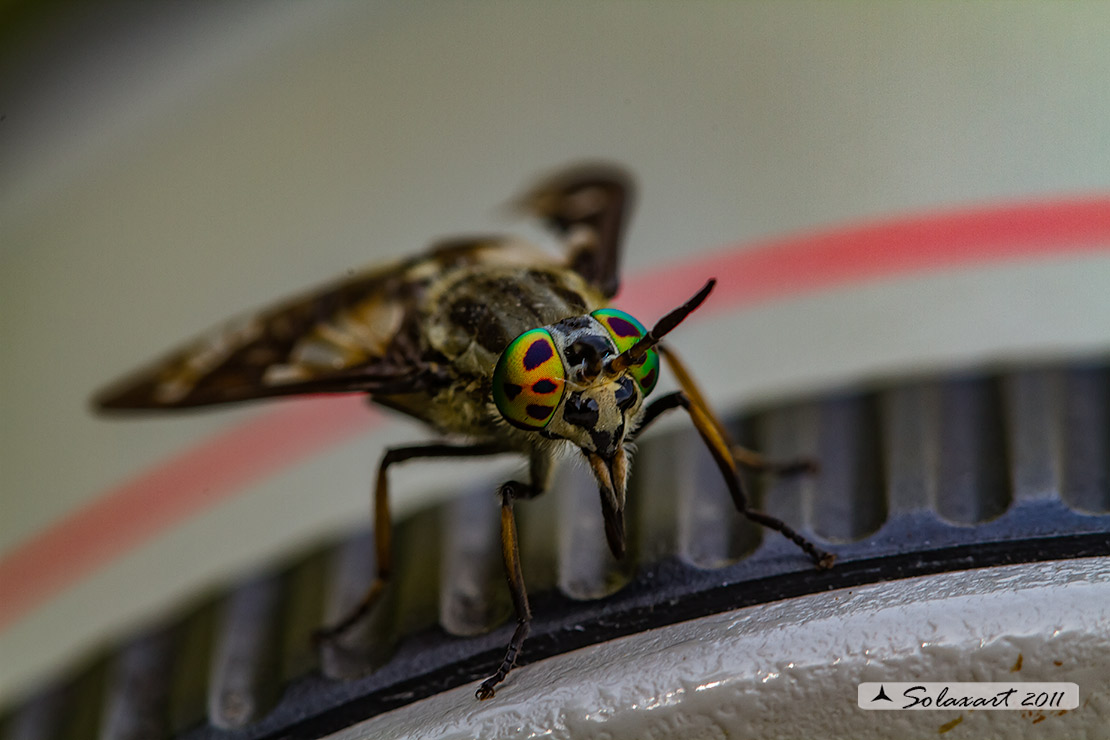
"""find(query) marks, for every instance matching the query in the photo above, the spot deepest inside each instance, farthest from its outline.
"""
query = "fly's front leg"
(540, 468)
(383, 525)
(747, 458)
(716, 439)
(510, 552)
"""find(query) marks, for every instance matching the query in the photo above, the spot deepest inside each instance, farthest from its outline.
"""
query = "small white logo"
(968, 695)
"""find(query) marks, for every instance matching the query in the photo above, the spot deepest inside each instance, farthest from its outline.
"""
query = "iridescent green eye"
(626, 331)
(528, 380)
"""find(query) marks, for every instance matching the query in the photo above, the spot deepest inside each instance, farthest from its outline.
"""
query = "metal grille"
(916, 478)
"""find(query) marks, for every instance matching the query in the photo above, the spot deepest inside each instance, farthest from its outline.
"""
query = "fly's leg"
(727, 465)
(540, 468)
(747, 458)
(383, 525)
(759, 463)
(713, 434)
(510, 552)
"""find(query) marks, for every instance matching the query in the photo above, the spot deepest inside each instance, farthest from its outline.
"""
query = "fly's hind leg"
(713, 433)
(383, 525)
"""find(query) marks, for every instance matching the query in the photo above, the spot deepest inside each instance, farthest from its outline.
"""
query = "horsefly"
(496, 345)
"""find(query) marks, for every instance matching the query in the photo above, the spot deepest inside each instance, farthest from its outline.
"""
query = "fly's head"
(584, 379)
(558, 381)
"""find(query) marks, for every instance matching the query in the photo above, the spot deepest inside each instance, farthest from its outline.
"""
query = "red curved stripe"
(125, 517)
(807, 263)
(198, 478)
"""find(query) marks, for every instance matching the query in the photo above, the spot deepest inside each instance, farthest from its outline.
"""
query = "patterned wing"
(587, 206)
(358, 334)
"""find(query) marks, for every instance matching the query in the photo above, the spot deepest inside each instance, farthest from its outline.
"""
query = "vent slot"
(1087, 439)
(850, 500)
(973, 467)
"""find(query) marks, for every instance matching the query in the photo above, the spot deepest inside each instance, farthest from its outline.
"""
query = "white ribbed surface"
(790, 669)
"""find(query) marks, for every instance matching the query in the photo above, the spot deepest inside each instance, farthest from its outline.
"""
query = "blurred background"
(166, 166)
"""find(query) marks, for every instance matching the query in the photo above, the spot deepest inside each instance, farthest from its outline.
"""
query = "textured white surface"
(790, 669)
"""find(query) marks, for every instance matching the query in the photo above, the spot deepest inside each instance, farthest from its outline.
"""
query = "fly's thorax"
(474, 313)
(467, 314)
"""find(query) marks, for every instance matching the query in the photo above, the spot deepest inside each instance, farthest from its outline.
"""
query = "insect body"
(496, 345)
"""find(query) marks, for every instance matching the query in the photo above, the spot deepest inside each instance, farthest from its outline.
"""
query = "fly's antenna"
(636, 352)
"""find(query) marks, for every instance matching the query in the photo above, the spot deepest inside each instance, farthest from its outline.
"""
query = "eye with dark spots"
(537, 354)
(544, 387)
(623, 328)
(626, 393)
(581, 412)
(538, 411)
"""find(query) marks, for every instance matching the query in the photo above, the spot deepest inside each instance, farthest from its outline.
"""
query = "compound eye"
(626, 331)
(528, 380)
